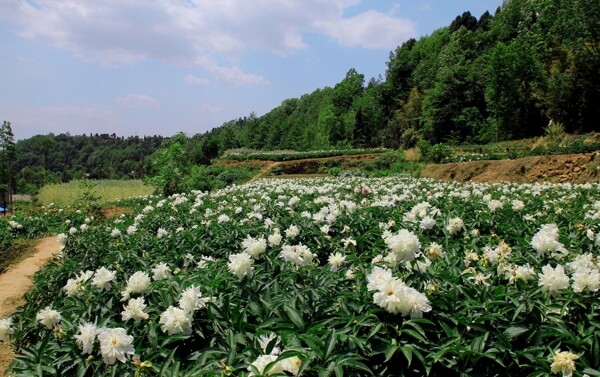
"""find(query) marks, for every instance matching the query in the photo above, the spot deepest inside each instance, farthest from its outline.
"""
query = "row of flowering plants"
(287, 155)
(45, 221)
(347, 276)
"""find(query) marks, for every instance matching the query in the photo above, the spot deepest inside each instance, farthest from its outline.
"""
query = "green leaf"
(514, 331)
(591, 372)
(295, 317)
(330, 344)
(390, 351)
(596, 351)
(407, 350)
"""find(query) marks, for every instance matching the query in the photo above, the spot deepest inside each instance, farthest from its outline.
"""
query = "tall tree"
(7, 157)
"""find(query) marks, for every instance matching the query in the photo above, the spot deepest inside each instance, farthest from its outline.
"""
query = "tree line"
(44, 159)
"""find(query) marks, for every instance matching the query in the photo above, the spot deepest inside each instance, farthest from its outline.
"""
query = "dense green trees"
(52, 158)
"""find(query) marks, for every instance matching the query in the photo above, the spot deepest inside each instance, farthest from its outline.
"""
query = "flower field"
(344, 277)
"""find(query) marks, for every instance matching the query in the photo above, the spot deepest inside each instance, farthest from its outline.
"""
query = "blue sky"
(146, 67)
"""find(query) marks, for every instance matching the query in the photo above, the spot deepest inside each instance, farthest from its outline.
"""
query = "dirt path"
(16, 281)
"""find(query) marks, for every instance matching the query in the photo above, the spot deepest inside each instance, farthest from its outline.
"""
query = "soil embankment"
(573, 168)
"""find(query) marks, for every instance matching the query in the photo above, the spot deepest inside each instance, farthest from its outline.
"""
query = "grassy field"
(66, 194)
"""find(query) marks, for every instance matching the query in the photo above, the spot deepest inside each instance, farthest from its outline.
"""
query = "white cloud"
(370, 29)
(230, 75)
(117, 32)
(195, 80)
(138, 101)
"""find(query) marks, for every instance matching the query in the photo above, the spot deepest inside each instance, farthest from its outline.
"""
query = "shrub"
(434, 153)
(555, 133)
(335, 171)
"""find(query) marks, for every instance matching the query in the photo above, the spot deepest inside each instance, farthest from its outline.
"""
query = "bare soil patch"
(573, 168)
(16, 280)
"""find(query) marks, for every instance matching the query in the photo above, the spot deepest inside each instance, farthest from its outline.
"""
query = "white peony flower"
(524, 273)
(103, 278)
(175, 321)
(563, 362)
(336, 260)
(86, 337)
(586, 279)
(48, 317)
(275, 238)
(134, 310)
(517, 205)
(6, 329)
(241, 265)
(261, 363)
(377, 278)
(546, 241)
(404, 244)
(427, 223)
(254, 247)
(292, 232)
(299, 255)
(191, 300)
(553, 280)
(115, 345)
(139, 282)
(161, 232)
(161, 272)
(455, 225)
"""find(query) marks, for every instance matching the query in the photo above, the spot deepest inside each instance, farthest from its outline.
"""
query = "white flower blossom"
(553, 280)
(175, 321)
(115, 345)
(6, 329)
(255, 247)
(134, 310)
(241, 265)
(48, 317)
(103, 278)
(336, 260)
(86, 337)
(139, 283)
(161, 272)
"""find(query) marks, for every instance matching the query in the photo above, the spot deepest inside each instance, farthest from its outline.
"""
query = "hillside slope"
(574, 168)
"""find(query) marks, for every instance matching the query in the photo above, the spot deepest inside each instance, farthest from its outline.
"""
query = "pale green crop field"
(68, 194)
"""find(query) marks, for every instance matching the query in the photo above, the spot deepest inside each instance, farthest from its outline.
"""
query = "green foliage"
(334, 171)
(434, 153)
(555, 134)
(89, 198)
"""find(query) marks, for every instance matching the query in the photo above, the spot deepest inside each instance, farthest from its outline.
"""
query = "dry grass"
(412, 154)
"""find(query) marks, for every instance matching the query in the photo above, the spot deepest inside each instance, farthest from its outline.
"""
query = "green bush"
(434, 153)
(335, 171)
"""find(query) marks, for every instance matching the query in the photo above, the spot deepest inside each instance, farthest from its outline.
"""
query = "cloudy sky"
(146, 67)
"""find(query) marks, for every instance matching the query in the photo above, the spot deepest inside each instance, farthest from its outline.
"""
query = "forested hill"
(55, 158)
(496, 77)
